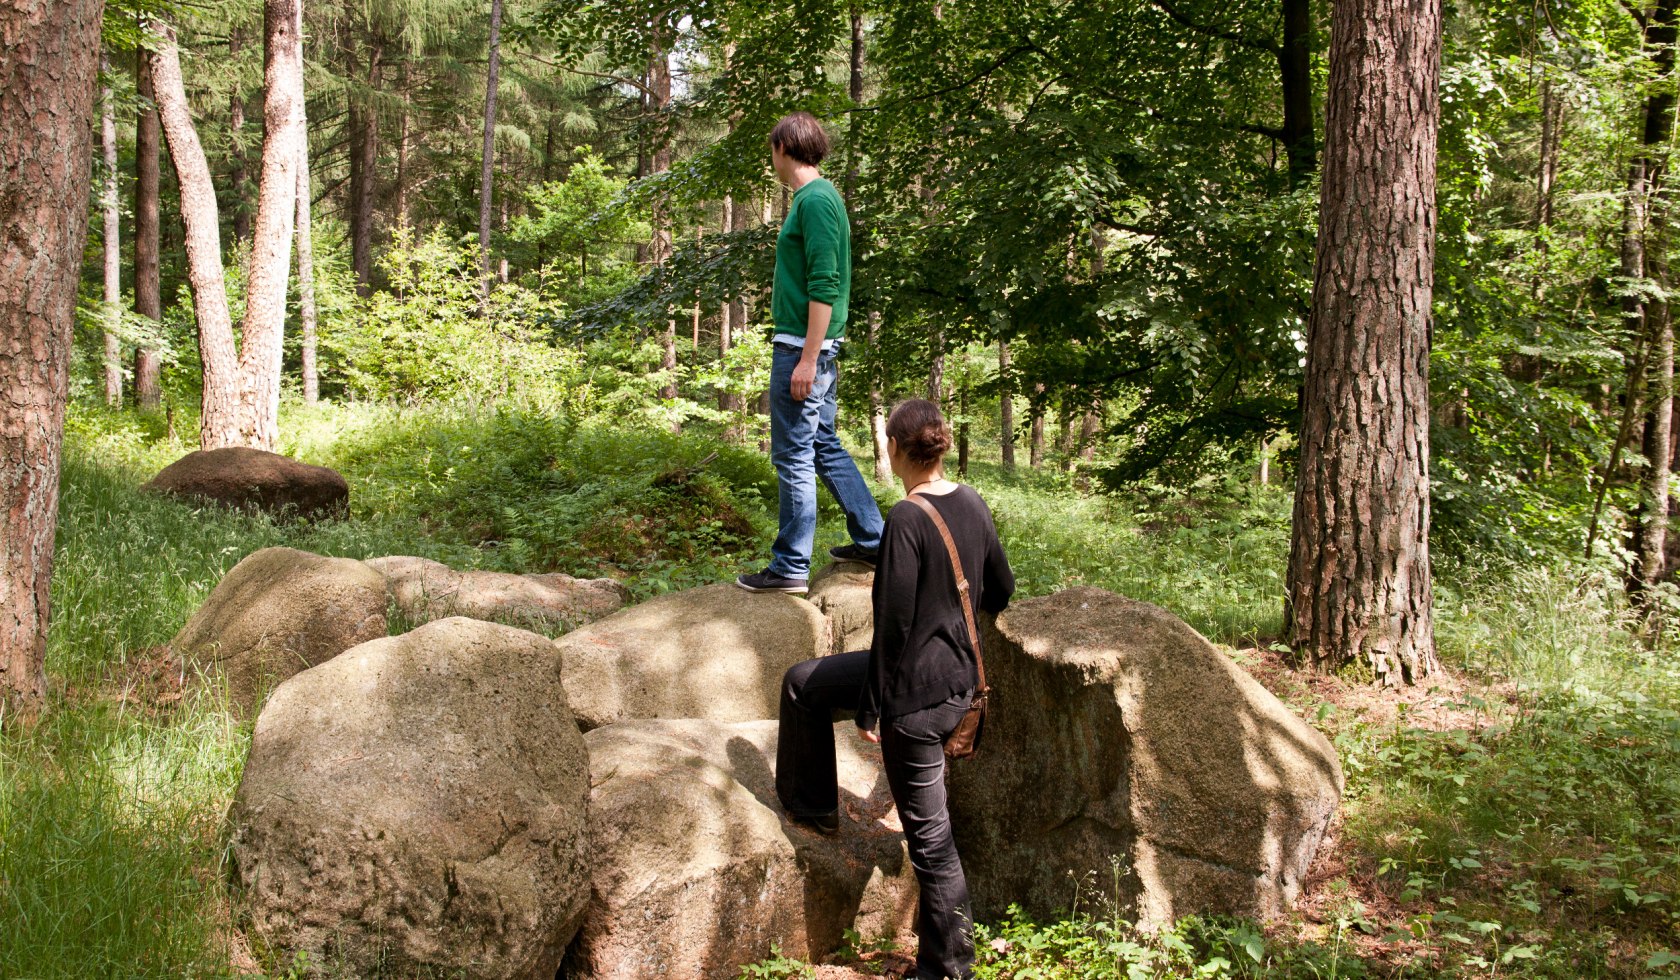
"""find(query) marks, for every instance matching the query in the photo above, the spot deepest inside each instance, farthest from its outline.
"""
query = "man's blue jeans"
(803, 445)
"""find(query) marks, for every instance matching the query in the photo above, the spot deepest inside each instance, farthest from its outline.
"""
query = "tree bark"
(219, 422)
(148, 282)
(488, 161)
(111, 233)
(307, 316)
(260, 346)
(1006, 407)
(48, 79)
(1359, 576)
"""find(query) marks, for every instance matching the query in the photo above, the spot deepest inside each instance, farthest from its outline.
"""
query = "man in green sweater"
(808, 305)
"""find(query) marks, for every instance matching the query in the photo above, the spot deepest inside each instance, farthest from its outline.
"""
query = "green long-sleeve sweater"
(813, 260)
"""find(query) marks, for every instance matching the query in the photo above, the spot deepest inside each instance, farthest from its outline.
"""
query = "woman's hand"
(869, 736)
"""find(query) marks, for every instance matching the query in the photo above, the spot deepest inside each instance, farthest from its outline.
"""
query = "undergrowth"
(1539, 841)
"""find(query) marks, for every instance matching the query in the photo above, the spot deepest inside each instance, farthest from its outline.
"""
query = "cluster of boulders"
(472, 798)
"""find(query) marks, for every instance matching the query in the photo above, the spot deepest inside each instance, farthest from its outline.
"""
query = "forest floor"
(1518, 815)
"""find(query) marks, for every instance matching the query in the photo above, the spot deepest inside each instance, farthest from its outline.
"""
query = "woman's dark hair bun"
(921, 431)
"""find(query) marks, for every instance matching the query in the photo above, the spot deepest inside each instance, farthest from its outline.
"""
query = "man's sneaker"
(851, 552)
(771, 582)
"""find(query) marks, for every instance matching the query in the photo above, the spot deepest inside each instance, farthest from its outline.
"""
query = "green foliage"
(777, 967)
(425, 337)
(577, 232)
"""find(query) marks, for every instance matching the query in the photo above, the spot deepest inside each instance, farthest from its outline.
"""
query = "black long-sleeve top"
(921, 653)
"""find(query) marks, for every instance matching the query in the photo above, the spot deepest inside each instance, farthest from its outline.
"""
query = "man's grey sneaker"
(768, 582)
(851, 552)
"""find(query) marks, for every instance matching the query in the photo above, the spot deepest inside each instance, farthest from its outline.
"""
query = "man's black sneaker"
(851, 552)
(827, 824)
(769, 582)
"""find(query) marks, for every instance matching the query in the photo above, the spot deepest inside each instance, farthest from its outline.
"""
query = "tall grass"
(110, 842)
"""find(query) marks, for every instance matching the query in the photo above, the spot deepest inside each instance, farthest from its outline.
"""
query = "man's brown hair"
(801, 137)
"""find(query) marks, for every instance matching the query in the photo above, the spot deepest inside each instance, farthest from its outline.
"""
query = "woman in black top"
(914, 682)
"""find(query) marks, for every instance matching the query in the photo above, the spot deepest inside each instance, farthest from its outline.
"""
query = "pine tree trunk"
(148, 283)
(659, 249)
(1035, 443)
(488, 160)
(1359, 575)
(364, 164)
(401, 207)
(260, 344)
(219, 422)
(49, 78)
(1295, 72)
(962, 429)
(936, 366)
(1643, 256)
(111, 234)
(878, 408)
(1006, 407)
(236, 127)
(307, 316)
(1551, 142)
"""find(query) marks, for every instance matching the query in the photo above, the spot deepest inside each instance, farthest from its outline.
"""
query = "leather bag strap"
(962, 584)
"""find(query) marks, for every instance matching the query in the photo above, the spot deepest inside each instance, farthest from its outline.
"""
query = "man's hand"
(804, 376)
(869, 735)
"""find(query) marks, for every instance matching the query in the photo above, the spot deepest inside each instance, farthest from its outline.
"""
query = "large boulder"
(418, 806)
(1117, 733)
(275, 613)
(696, 870)
(424, 590)
(844, 591)
(252, 478)
(715, 653)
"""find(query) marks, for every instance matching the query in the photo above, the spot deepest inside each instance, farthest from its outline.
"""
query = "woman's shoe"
(827, 824)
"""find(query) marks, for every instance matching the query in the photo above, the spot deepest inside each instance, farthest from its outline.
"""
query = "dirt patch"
(1444, 702)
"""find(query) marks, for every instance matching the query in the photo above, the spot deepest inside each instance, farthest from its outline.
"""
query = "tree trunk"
(1295, 72)
(659, 249)
(1006, 406)
(307, 316)
(1035, 443)
(962, 428)
(260, 349)
(936, 366)
(1551, 142)
(48, 79)
(111, 233)
(1359, 575)
(878, 408)
(218, 424)
(364, 164)
(401, 207)
(236, 127)
(148, 283)
(488, 161)
(1643, 257)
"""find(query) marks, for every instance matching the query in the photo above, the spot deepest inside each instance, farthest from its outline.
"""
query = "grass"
(1537, 840)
